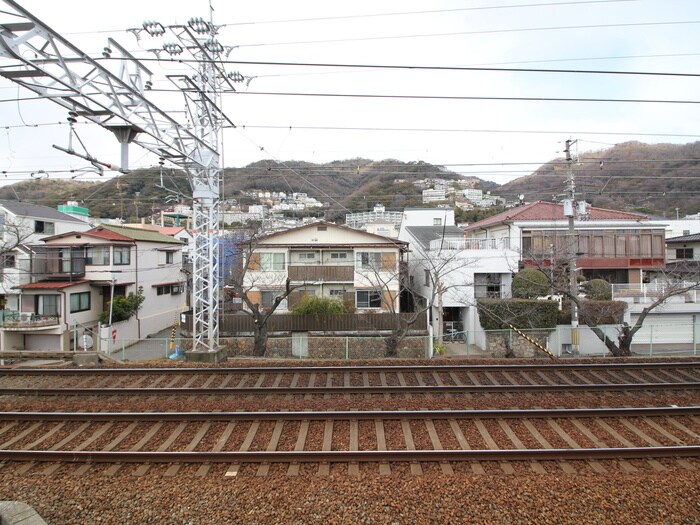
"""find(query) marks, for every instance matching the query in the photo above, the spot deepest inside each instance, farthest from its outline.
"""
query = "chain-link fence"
(669, 339)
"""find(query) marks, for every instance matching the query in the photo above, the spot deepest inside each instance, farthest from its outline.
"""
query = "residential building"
(434, 195)
(448, 272)
(327, 260)
(620, 247)
(683, 248)
(21, 225)
(378, 214)
(75, 276)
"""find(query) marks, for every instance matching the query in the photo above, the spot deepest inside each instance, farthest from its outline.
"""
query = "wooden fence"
(242, 323)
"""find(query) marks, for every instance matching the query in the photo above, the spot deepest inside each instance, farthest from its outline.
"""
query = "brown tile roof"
(51, 285)
(549, 211)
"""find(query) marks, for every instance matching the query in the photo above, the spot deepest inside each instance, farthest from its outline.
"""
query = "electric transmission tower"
(111, 93)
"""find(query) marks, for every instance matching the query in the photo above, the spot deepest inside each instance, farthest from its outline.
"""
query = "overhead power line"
(460, 97)
(426, 12)
(464, 130)
(472, 33)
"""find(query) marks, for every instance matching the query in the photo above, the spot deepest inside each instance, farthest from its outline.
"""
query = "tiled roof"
(550, 211)
(51, 285)
(695, 237)
(132, 234)
(165, 230)
(36, 211)
(272, 236)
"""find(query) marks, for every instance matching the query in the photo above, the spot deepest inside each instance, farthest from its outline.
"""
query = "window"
(176, 289)
(122, 255)
(7, 260)
(267, 298)
(437, 222)
(79, 302)
(336, 293)
(168, 257)
(272, 262)
(97, 255)
(335, 256)
(427, 278)
(307, 256)
(369, 260)
(368, 299)
(684, 253)
(163, 290)
(321, 228)
(44, 227)
(46, 304)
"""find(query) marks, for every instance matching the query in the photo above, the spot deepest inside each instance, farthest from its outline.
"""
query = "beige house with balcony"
(75, 275)
(326, 260)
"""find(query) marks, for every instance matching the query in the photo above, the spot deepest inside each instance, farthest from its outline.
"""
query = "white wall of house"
(25, 227)
(153, 267)
(672, 251)
(428, 217)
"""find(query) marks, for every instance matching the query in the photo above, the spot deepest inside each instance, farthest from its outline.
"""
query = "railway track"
(611, 438)
(288, 420)
(353, 380)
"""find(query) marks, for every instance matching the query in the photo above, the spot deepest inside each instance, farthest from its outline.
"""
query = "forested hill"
(630, 176)
(349, 185)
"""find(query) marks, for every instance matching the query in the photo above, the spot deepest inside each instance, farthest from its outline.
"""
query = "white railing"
(646, 293)
(469, 244)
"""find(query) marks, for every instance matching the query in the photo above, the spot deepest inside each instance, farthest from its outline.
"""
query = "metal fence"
(653, 340)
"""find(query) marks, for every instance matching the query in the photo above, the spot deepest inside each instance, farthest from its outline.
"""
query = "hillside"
(356, 185)
(631, 176)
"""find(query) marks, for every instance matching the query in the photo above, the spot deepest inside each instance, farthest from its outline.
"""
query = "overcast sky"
(494, 139)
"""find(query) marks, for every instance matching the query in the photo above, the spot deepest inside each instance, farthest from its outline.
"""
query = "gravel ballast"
(661, 498)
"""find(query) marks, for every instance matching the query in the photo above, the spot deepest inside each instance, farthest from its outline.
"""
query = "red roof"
(110, 235)
(50, 285)
(550, 211)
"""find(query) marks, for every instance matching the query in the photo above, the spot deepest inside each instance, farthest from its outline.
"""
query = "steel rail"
(339, 456)
(350, 369)
(338, 390)
(343, 415)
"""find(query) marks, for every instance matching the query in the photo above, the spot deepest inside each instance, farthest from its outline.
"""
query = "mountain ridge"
(660, 179)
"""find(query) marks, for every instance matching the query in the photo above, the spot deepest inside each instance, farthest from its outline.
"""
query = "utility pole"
(112, 94)
(570, 212)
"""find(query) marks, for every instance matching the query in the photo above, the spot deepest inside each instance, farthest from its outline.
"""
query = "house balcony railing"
(57, 264)
(338, 274)
(469, 244)
(10, 320)
(648, 293)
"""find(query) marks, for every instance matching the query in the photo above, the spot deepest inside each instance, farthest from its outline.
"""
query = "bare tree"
(249, 281)
(435, 270)
(13, 266)
(682, 279)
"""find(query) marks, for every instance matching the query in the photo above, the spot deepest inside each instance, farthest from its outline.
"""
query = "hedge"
(496, 314)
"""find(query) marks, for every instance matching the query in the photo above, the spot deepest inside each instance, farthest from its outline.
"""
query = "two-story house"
(620, 247)
(448, 272)
(327, 260)
(75, 276)
(21, 225)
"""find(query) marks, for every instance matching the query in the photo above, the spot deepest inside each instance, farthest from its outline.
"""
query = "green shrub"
(123, 307)
(312, 305)
(496, 314)
(598, 290)
(529, 284)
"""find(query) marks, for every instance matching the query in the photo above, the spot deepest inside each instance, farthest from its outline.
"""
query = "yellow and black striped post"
(173, 334)
(531, 340)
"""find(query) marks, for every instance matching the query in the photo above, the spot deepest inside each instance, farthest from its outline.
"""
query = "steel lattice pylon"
(111, 94)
